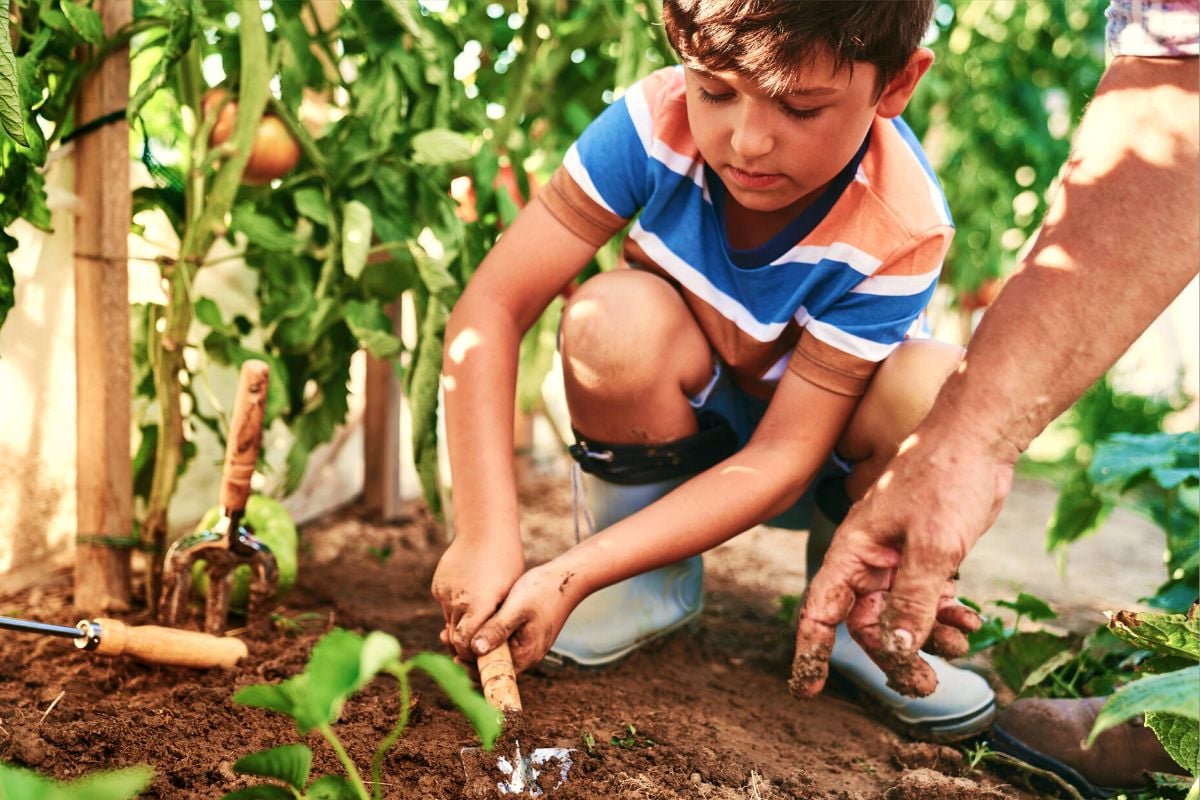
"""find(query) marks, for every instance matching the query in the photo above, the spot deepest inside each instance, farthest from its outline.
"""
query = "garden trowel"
(229, 543)
(543, 769)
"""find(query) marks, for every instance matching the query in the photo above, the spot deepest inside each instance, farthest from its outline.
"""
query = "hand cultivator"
(150, 643)
(229, 544)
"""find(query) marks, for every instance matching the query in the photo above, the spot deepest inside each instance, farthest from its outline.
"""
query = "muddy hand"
(529, 619)
(470, 589)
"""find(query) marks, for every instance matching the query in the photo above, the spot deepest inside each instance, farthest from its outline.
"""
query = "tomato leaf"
(85, 21)
(265, 791)
(372, 328)
(331, 787)
(121, 784)
(289, 763)
(356, 237)
(440, 146)
(11, 116)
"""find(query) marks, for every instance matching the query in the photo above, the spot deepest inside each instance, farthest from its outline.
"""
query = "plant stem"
(344, 757)
(401, 674)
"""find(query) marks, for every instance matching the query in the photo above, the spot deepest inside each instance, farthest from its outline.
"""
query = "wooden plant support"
(102, 343)
(381, 434)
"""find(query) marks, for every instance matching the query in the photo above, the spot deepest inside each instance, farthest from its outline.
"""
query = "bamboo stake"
(104, 485)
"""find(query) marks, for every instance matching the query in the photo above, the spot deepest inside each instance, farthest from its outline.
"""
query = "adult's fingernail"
(482, 645)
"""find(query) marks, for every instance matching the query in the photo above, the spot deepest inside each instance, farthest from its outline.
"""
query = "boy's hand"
(531, 617)
(890, 568)
(470, 585)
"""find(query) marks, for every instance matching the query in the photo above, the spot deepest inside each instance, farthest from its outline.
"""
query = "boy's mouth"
(754, 180)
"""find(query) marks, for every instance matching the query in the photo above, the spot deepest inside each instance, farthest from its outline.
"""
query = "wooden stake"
(104, 483)
(381, 434)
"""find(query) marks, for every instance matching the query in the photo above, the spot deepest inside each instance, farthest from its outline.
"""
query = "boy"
(789, 233)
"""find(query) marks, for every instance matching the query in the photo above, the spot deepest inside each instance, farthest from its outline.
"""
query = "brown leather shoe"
(1050, 734)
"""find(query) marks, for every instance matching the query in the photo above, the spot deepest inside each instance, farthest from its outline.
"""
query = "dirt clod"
(927, 784)
(925, 755)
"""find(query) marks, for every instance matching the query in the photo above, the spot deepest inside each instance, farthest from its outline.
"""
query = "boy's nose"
(751, 137)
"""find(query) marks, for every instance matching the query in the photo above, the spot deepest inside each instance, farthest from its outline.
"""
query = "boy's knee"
(621, 325)
(917, 369)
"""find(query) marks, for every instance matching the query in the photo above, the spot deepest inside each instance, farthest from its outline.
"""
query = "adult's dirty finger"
(955, 614)
(947, 642)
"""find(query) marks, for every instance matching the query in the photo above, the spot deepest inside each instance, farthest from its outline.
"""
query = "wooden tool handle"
(158, 645)
(245, 435)
(499, 679)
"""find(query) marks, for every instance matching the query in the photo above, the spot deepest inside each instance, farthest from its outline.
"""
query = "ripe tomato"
(274, 152)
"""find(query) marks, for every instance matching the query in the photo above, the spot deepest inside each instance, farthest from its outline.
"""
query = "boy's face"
(776, 153)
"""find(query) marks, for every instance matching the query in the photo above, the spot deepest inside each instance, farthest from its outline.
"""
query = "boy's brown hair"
(770, 41)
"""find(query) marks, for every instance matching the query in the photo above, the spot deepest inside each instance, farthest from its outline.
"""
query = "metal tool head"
(222, 550)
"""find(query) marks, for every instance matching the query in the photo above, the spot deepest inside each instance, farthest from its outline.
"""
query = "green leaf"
(263, 231)
(424, 380)
(23, 784)
(1180, 738)
(273, 697)
(1173, 634)
(439, 146)
(289, 763)
(8, 285)
(372, 327)
(264, 791)
(120, 784)
(1173, 693)
(1047, 667)
(11, 116)
(1080, 511)
(331, 787)
(85, 21)
(356, 237)
(1033, 608)
(311, 203)
(379, 650)
(329, 678)
(1017, 657)
(485, 719)
(1169, 459)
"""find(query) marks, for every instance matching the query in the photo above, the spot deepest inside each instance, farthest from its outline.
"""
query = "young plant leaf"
(23, 783)
(484, 718)
(120, 784)
(264, 791)
(11, 117)
(329, 678)
(356, 237)
(1180, 738)
(289, 763)
(379, 651)
(331, 787)
(1030, 607)
(1166, 634)
(273, 697)
(1125, 459)
(1174, 693)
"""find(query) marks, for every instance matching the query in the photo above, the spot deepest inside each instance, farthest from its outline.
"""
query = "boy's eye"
(709, 97)
(801, 113)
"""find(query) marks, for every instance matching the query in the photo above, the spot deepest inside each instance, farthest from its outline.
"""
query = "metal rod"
(28, 626)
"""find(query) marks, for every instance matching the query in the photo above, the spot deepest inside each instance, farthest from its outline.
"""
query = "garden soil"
(709, 705)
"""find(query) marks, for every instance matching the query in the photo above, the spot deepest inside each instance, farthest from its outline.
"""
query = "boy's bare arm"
(1119, 243)
(791, 443)
(530, 264)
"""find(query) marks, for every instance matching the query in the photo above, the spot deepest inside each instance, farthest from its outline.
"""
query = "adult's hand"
(469, 583)
(889, 572)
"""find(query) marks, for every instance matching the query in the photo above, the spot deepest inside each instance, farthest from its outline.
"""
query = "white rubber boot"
(618, 619)
(962, 706)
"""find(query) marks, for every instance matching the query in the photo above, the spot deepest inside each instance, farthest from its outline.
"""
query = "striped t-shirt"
(829, 297)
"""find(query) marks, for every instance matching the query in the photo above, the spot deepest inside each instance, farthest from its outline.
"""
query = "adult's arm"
(1119, 242)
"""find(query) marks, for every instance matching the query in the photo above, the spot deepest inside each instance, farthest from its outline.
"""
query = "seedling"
(589, 742)
(865, 766)
(294, 624)
(380, 554)
(341, 664)
(120, 784)
(630, 740)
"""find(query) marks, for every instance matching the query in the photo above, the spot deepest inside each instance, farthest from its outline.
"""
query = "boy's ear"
(901, 87)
